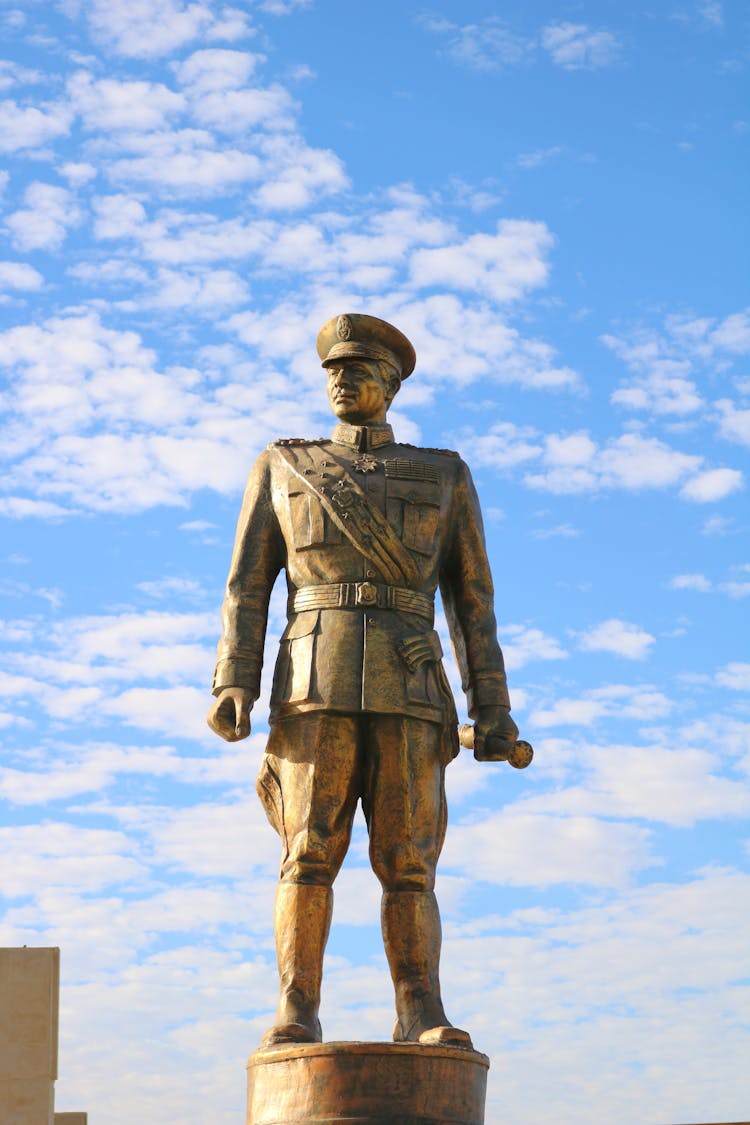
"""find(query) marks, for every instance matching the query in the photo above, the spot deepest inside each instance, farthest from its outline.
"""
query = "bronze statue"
(366, 529)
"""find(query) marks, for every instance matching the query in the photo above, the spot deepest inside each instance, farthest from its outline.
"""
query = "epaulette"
(297, 441)
(427, 449)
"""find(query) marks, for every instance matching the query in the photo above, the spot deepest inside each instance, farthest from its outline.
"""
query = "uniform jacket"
(350, 658)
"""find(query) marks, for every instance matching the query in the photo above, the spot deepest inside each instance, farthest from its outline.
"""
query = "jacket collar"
(363, 438)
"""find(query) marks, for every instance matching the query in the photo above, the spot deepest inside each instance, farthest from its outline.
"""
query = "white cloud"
(571, 849)
(538, 156)
(485, 46)
(78, 172)
(216, 68)
(735, 675)
(151, 28)
(166, 587)
(665, 362)
(238, 111)
(204, 290)
(21, 507)
(297, 174)
(736, 589)
(734, 423)
(655, 783)
(523, 643)
(504, 446)
(19, 275)
(187, 161)
(506, 265)
(711, 485)
(13, 74)
(642, 703)
(31, 127)
(575, 46)
(79, 859)
(712, 12)
(733, 333)
(108, 104)
(631, 462)
(691, 582)
(619, 637)
(559, 531)
(44, 222)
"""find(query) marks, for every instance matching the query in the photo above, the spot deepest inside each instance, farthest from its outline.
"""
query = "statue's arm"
(468, 599)
(257, 558)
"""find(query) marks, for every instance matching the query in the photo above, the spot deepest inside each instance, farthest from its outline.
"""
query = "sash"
(347, 504)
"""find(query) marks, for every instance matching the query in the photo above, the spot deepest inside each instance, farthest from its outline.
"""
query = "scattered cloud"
(146, 29)
(538, 156)
(110, 104)
(19, 275)
(619, 637)
(30, 127)
(734, 422)
(574, 463)
(44, 222)
(559, 531)
(575, 46)
(712, 485)
(642, 703)
(666, 364)
(691, 582)
(505, 265)
(712, 11)
(735, 676)
(485, 46)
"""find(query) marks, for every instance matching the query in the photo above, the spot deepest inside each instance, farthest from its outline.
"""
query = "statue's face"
(357, 392)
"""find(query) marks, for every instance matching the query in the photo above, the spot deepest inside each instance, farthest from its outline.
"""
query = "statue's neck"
(363, 438)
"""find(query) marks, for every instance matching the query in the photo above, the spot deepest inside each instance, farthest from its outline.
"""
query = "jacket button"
(371, 622)
(370, 574)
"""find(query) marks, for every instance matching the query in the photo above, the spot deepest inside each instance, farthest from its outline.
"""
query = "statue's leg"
(309, 784)
(302, 919)
(406, 812)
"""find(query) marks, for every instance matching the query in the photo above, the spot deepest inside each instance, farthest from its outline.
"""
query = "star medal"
(365, 464)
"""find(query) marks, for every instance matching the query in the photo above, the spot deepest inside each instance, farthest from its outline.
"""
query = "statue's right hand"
(229, 716)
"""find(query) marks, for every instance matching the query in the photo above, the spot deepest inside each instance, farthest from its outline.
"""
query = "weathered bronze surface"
(366, 530)
(358, 1083)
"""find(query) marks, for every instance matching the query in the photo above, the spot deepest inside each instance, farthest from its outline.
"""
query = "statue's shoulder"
(429, 449)
(285, 443)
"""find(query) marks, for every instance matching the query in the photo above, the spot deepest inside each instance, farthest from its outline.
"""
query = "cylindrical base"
(366, 1084)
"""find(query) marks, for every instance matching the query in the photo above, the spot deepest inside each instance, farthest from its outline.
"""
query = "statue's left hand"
(493, 725)
(229, 716)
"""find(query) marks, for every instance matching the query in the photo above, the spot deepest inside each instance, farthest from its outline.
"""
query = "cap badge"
(344, 328)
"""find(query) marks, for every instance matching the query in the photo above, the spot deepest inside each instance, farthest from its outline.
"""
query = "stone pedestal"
(366, 1084)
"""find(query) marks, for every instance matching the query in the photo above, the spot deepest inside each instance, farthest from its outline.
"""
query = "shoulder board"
(296, 441)
(428, 449)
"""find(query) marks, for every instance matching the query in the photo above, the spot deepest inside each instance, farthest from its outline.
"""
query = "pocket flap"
(415, 491)
(303, 624)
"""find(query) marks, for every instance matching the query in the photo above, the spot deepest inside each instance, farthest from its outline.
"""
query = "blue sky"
(550, 200)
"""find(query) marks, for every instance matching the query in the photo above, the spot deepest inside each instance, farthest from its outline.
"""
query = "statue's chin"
(353, 417)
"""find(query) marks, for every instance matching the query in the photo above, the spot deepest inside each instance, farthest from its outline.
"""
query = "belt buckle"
(367, 593)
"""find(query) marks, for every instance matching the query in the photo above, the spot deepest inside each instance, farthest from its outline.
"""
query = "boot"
(302, 919)
(412, 937)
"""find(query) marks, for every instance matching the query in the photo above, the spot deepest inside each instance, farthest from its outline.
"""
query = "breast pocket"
(293, 679)
(311, 524)
(413, 509)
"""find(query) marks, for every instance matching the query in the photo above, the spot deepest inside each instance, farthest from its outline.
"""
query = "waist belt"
(349, 595)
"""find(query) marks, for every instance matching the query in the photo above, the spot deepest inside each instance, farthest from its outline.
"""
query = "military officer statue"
(366, 529)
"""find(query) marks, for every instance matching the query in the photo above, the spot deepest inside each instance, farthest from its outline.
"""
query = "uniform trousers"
(318, 764)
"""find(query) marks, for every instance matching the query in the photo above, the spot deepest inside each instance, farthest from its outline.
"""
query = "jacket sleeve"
(257, 558)
(468, 599)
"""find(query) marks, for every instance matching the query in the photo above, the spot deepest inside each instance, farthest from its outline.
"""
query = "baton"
(517, 754)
